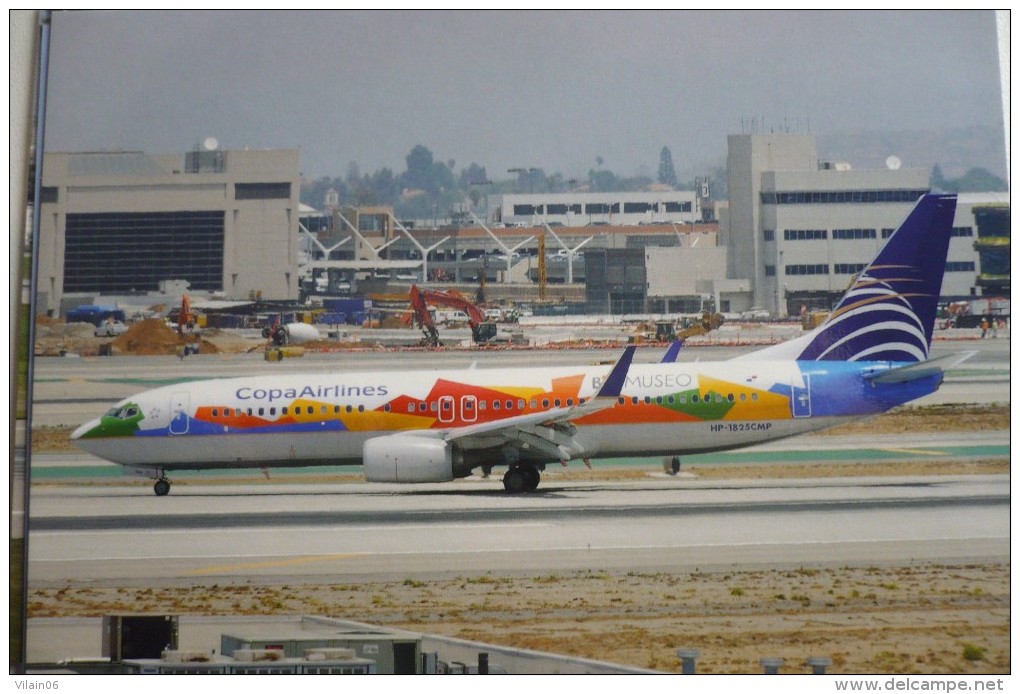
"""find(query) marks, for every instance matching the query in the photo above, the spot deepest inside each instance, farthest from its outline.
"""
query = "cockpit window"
(122, 412)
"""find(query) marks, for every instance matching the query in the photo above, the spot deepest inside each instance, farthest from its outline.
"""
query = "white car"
(111, 329)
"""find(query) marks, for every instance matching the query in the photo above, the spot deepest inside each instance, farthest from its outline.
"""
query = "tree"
(979, 180)
(419, 168)
(473, 175)
(667, 174)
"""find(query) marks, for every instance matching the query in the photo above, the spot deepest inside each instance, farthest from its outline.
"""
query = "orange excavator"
(481, 330)
(186, 318)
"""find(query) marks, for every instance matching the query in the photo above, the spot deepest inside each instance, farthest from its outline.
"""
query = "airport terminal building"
(123, 222)
(791, 236)
(799, 228)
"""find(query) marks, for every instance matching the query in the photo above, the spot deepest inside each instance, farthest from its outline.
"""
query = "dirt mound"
(153, 336)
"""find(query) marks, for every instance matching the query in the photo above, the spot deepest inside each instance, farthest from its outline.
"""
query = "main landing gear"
(162, 486)
(521, 478)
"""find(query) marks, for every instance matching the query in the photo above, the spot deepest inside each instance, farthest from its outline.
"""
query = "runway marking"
(271, 564)
(916, 451)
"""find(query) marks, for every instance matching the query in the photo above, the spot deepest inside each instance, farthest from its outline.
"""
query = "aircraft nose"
(84, 429)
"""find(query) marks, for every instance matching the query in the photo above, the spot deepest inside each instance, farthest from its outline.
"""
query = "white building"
(601, 209)
(799, 229)
(122, 222)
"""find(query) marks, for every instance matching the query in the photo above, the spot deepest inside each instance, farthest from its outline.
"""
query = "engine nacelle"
(407, 458)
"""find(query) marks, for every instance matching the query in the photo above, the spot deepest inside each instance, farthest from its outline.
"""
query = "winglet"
(671, 354)
(613, 385)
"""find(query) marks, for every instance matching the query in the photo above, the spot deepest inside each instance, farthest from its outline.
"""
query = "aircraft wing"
(921, 369)
(514, 428)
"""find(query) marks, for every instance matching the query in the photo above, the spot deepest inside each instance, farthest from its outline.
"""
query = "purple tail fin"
(888, 313)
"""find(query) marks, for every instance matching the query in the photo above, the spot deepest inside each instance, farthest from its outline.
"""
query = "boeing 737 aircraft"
(870, 355)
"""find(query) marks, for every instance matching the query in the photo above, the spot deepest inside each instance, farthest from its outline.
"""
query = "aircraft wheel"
(515, 481)
(532, 477)
(162, 487)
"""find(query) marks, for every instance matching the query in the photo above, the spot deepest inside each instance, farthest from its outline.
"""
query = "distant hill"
(955, 150)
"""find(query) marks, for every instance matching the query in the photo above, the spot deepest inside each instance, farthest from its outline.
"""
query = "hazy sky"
(553, 90)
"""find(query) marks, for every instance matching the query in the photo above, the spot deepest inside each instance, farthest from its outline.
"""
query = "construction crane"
(481, 330)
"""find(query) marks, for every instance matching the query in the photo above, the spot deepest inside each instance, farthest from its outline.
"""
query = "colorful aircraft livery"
(419, 426)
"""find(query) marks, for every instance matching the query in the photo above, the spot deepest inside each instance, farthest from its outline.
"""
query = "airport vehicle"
(110, 328)
(290, 333)
(871, 354)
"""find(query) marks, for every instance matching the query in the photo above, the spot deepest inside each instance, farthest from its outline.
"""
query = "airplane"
(870, 355)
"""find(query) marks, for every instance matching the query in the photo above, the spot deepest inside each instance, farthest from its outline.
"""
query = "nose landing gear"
(162, 486)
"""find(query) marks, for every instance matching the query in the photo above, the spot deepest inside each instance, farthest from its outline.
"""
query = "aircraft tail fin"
(888, 312)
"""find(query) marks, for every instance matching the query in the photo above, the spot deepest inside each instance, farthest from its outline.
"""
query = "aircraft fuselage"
(325, 419)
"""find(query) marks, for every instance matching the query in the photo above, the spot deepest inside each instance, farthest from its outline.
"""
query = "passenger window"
(545, 402)
(521, 404)
(495, 404)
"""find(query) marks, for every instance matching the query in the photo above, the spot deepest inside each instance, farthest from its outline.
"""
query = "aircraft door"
(179, 421)
(469, 408)
(801, 396)
(446, 410)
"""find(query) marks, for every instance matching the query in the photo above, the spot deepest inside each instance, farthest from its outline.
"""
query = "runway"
(374, 532)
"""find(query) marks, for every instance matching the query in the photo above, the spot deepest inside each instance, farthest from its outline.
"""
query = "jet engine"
(407, 458)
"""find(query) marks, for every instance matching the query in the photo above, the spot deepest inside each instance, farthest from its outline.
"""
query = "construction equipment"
(482, 330)
(663, 331)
